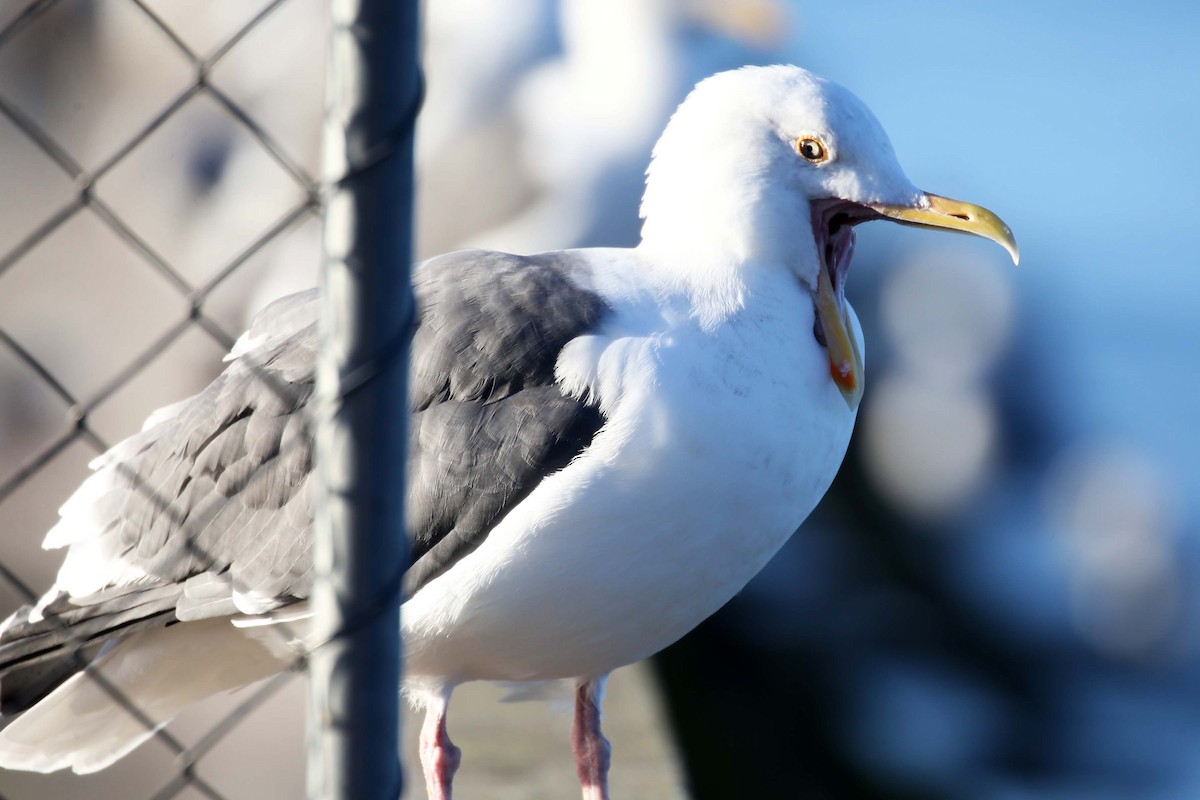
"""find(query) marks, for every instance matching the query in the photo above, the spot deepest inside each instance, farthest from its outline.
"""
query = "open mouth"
(833, 224)
(833, 229)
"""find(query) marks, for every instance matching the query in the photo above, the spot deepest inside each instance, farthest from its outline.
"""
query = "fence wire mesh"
(159, 162)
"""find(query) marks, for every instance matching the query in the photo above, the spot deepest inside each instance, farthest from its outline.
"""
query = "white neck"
(712, 226)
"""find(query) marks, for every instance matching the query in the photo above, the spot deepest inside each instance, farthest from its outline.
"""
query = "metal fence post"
(373, 90)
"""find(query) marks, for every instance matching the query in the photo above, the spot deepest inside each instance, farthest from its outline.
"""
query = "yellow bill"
(955, 215)
(845, 361)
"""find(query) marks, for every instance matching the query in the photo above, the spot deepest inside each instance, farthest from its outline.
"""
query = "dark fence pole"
(373, 92)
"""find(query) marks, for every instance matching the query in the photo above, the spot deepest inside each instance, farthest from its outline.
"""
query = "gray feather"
(214, 496)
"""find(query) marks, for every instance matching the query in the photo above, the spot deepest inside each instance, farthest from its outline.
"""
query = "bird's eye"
(812, 148)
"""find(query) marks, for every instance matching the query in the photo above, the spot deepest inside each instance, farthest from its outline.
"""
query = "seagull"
(605, 446)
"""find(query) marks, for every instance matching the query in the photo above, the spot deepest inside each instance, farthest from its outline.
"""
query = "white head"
(770, 168)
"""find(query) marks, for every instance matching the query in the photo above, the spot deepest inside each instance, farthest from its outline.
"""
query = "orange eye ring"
(812, 149)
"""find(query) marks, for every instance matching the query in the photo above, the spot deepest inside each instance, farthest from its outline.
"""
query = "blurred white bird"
(588, 118)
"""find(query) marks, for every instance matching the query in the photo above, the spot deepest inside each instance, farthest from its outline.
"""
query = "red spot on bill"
(842, 373)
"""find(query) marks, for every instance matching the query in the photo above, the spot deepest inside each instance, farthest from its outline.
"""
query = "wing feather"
(208, 510)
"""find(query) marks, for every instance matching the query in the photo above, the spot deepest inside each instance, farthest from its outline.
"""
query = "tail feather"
(43, 646)
(24, 684)
(80, 724)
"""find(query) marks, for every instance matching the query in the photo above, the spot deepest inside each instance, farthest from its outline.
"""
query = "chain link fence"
(159, 163)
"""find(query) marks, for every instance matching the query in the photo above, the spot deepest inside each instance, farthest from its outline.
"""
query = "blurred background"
(998, 599)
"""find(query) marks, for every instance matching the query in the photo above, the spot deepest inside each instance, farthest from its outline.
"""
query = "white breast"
(717, 446)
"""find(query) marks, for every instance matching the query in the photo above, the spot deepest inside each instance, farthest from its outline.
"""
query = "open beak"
(930, 211)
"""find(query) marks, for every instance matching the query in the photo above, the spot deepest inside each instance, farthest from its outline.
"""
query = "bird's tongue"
(845, 361)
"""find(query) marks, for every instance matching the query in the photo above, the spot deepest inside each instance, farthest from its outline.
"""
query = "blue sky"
(1079, 123)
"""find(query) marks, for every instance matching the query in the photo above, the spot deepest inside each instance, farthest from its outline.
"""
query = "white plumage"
(704, 467)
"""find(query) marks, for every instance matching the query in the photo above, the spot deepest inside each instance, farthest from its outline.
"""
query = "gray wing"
(213, 499)
(488, 420)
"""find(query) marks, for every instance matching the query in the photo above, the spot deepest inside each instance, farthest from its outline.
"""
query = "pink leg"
(593, 753)
(439, 756)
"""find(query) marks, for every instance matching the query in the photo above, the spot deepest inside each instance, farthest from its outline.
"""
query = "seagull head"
(772, 167)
